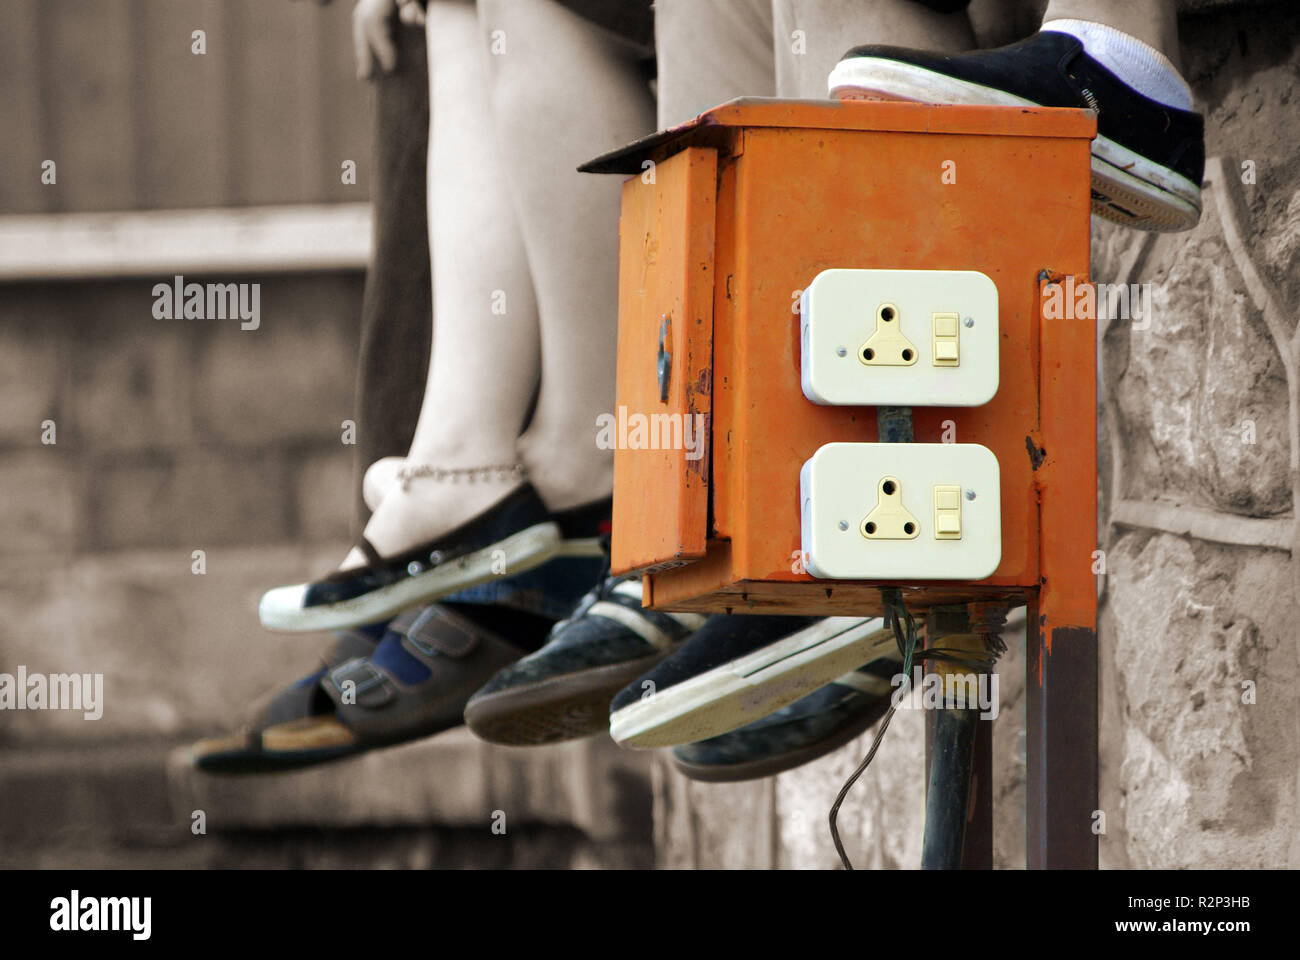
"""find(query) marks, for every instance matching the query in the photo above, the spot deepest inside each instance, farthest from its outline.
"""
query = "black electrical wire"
(906, 634)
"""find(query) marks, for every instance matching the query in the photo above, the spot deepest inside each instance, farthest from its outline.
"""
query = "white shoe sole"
(751, 687)
(581, 547)
(282, 609)
(1127, 187)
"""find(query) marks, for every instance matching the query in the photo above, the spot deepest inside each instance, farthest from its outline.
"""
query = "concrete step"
(452, 779)
(131, 803)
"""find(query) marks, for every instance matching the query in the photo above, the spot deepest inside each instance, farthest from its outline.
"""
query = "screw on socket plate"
(887, 347)
(890, 520)
(665, 359)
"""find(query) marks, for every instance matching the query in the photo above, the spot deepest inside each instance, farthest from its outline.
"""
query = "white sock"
(1140, 65)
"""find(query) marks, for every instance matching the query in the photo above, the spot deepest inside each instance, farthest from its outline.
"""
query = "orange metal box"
(727, 219)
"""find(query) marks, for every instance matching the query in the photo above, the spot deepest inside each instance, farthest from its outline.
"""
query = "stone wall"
(176, 436)
(171, 437)
(1200, 735)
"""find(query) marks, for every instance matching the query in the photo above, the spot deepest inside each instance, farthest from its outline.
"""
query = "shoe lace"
(605, 585)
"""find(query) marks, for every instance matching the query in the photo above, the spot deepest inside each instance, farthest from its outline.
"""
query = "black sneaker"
(738, 669)
(823, 721)
(512, 536)
(585, 530)
(1147, 160)
(563, 690)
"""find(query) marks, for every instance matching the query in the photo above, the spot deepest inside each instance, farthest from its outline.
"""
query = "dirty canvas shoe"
(563, 690)
(811, 727)
(739, 668)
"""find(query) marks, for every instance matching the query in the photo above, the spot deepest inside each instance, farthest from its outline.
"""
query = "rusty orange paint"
(665, 333)
(1068, 475)
(797, 187)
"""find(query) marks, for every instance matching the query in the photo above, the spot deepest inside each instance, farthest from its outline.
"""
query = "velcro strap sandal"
(416, 682)
(300, 713)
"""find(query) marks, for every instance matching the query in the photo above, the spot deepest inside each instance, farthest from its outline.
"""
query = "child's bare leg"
(564, 92)
(483, 370)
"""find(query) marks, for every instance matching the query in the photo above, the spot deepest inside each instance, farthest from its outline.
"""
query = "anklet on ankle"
(496, 471)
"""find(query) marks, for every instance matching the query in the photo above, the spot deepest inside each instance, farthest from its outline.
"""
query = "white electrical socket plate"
(838, 313)
(840, 485)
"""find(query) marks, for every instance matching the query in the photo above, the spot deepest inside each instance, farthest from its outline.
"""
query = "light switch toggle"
(946, 329)
(947, 511)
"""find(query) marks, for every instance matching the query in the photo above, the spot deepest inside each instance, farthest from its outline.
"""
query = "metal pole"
(947, 795)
